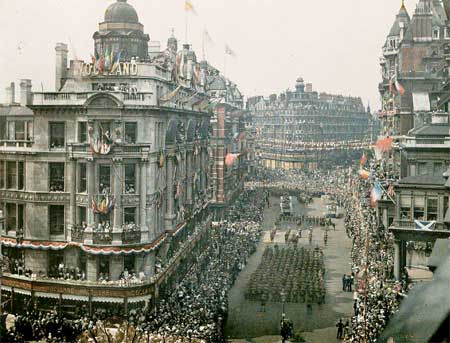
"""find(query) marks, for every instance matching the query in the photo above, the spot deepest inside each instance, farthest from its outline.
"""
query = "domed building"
(119, 177)
(121, 32)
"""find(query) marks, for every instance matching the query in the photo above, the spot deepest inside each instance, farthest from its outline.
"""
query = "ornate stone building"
(104, 184)
(229, 148)
(304, 129)
(414, 67)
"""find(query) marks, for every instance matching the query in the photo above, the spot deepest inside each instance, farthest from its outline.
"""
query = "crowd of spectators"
(196, 310)
(372, 258)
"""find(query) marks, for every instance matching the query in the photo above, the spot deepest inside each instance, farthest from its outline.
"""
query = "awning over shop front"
(46, 295)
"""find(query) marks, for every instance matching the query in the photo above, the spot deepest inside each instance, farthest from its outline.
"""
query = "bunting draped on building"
(169, 96)
(110, 250)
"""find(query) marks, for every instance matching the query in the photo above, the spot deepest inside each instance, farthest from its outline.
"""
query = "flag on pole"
(399, 87)
(229, 51)
(391, 85)
(189, 7)
(375, 194)
(207, 36)
(365, 174)
(116, 62)
(363, 159)
(107, 59)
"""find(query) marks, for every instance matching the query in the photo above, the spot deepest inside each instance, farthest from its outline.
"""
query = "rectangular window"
(129, 215)
(437, 169)
(20, 175)
(20, 216)
(56, 177)
(11, 175)
(20, 131)
(128, 263)
(130, 178)
(419, 207)
(57, 135)
(29, 130)
(82, 216)
(11, 130)
(130, 133)
(2, 174)
(56, 219)
(405, 207)
(422, 168)
(432, 208)
(103, 268)
(82, 132)
(11, 217)
(104, 179)
(104, 129)
(55, 261)
(82, 184)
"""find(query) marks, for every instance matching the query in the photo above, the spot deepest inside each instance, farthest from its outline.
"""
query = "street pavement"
(246, 321)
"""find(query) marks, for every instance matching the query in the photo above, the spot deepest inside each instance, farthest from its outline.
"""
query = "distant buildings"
(304, 129)
(105, 183)
(415, 68)
(415, 117)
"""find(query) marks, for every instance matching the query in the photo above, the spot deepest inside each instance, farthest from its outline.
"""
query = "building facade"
(105, 181)
(229, 148)
(304, 129)
(414, 67)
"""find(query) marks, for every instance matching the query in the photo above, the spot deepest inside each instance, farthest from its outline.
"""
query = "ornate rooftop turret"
(121, 33)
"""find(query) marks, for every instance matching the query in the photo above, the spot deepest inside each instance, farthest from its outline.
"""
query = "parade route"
(248, 321)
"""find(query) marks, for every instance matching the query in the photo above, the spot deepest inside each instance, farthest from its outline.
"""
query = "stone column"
(143, 200)
(149, 264)
(91, 268)
(91, 191)
(117, 192)
(203, 160)
(397, 260)
(139, 264)
(189, 176)
(115, 267)
(169, 193)
(385, 217)
(71, 176)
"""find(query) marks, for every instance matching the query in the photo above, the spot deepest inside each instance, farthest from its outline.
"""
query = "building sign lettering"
(119, 69)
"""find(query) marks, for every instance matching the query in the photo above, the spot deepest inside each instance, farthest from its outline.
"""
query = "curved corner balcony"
(125, 235)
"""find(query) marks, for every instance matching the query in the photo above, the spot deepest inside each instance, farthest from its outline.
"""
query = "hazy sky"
(335, 45)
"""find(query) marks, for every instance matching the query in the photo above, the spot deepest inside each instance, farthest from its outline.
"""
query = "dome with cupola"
(121, 12)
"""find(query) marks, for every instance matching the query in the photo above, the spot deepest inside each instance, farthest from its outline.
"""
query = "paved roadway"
(246, 322)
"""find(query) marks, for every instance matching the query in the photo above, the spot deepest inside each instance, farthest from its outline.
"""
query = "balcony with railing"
(80, 98)
(117, 149)
(6, 143)
(104, 234)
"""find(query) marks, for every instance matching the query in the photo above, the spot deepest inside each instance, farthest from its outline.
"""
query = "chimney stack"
(10, 94)
(61, 65)
(308, 88)
(25, 92)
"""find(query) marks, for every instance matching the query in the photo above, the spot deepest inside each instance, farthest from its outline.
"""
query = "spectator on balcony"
(129, 188)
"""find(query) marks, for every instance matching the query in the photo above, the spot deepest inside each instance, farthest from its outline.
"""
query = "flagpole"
(186, 27)
(203, 44)
(225, 63)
